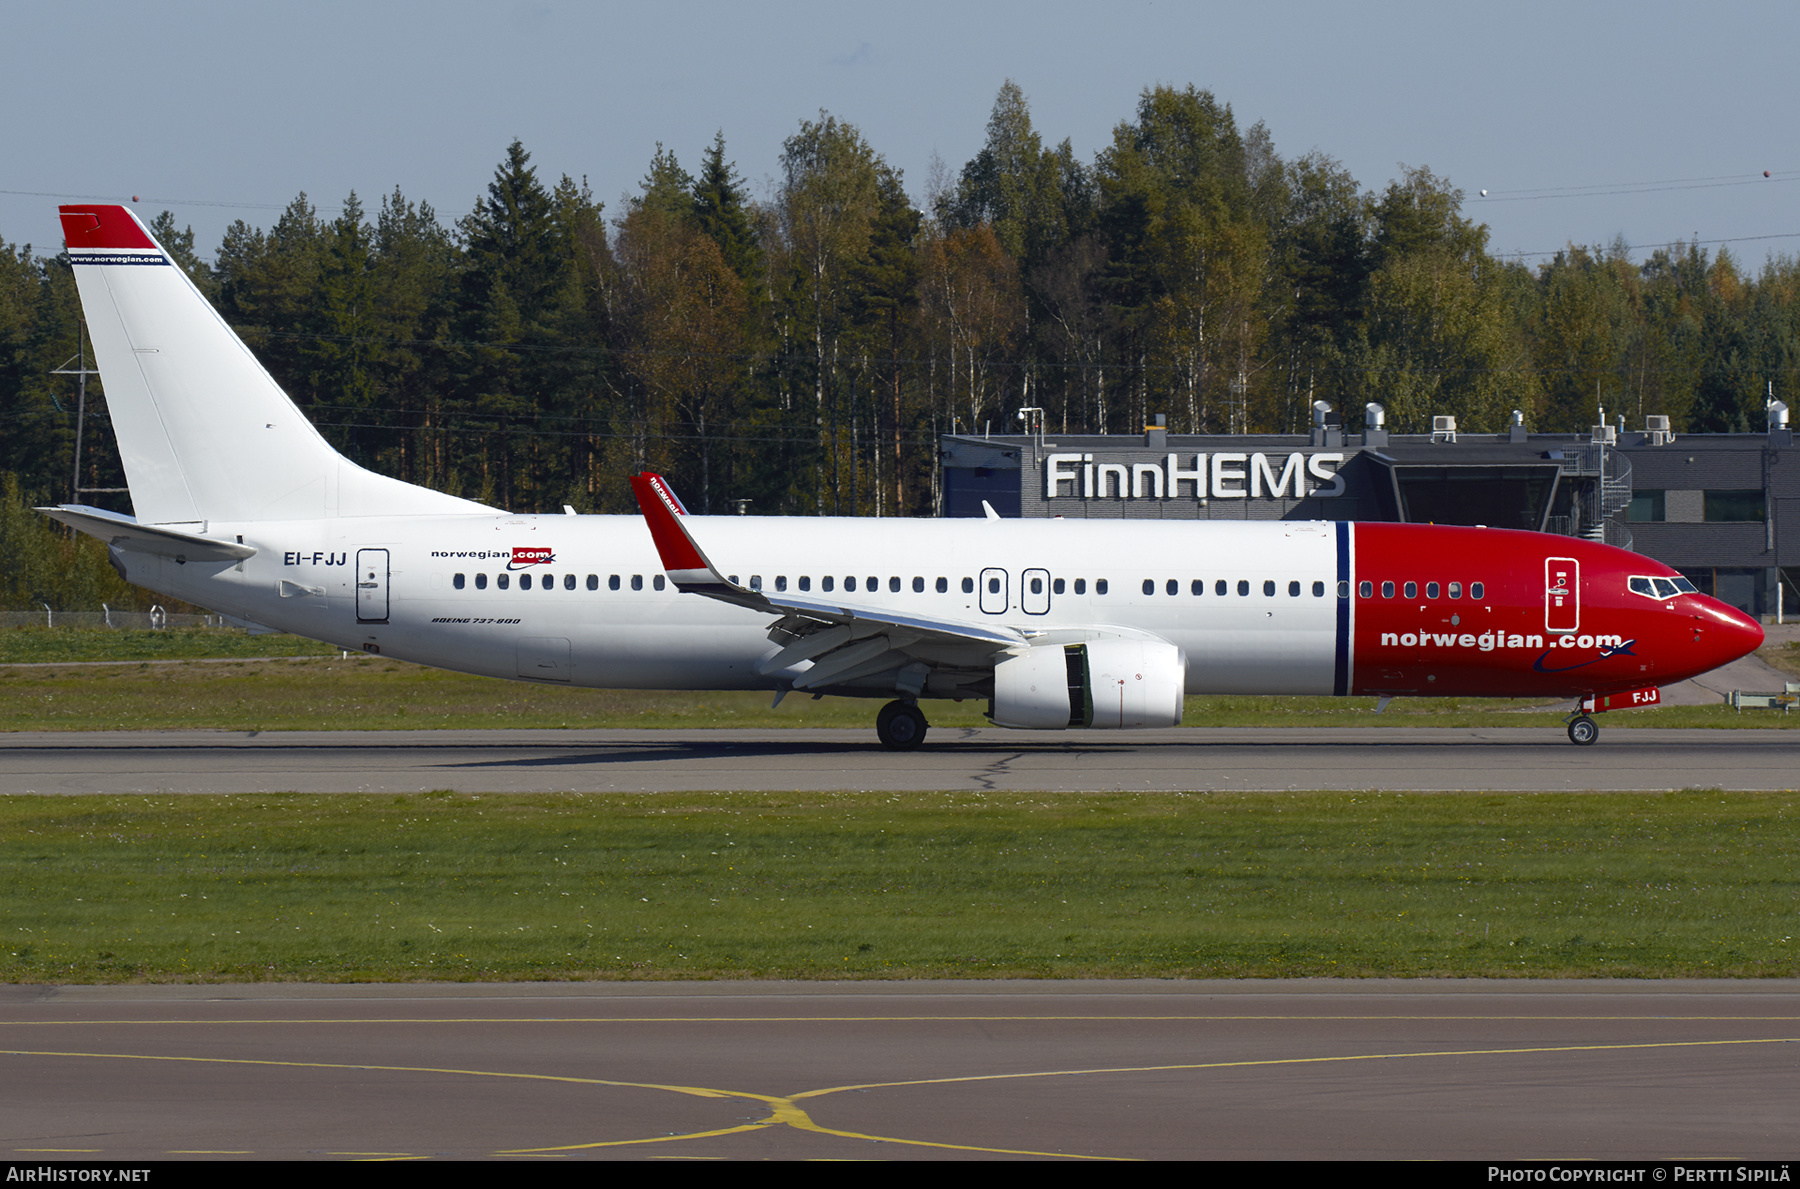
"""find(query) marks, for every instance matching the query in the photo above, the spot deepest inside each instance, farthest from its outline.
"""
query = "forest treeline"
(804, 352)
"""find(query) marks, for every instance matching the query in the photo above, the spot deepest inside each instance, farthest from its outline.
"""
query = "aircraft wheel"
(900, 726)
(1583, 731)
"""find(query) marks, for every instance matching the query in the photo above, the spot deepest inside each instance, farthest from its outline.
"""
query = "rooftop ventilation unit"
(1656, 427)
(1443, 429)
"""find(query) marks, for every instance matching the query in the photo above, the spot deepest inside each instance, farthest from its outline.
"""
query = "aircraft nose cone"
(1725, 633)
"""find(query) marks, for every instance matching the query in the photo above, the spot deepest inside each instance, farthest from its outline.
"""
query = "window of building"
(1646, 507)
(1729, 506)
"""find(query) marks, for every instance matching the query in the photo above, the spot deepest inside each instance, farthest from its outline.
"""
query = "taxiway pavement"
(1317, 1070)
(1181, 760)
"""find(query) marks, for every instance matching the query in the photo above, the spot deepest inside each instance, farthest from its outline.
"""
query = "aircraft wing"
(844, 640)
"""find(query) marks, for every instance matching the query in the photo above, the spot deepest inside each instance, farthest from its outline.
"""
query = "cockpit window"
(1659, 588)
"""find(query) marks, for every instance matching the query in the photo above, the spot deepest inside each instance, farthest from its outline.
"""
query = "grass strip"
(446, 886)
(375, 693)
(37, 645)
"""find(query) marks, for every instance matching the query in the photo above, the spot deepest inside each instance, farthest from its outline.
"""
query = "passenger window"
(1387, 590)
(943, 586)
(849, 583)
(827, 583)
(593, 582)
(1099, 586)
(1219, 587)
(968, 586)
(1174, 587)
(1319, 590)
(524, 581)
(1268, 586)
(612, 582)
(457, 582)
(1149, 586)
(1412, 590)
(657, 582)
(501, 581)
(1037, 586)
(637, 582)
(993, 586)
(1081, 586)
(1293, 590)
(1474, 590)
(1431, 590)
(481, 582)
(780, 583)
(918, 585)
(568, 582)
(1056, 586)
(1343, 588)
(873, 584)
(893, 585)
(756, 582)
(805, 582)
(1456, 590)
(1366, 589)
(1199, 586)
(1243, 588)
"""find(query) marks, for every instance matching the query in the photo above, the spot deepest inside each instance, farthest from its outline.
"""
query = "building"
(1724, 509)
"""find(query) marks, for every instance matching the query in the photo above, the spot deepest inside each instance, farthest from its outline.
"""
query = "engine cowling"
(1102, 683)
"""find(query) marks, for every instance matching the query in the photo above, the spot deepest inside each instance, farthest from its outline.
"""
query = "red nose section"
(1722, 634)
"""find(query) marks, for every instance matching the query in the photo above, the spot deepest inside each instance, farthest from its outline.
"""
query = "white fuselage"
(599, 612)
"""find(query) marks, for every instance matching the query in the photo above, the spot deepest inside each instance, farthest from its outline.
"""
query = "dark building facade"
(1724, 509)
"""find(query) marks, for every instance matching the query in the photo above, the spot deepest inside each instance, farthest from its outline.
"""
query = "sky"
(1649, 121)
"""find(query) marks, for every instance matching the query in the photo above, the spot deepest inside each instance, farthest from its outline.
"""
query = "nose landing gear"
(900, 726)
(1583, 730)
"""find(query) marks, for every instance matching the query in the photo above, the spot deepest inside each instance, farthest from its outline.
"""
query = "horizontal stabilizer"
(159, 540)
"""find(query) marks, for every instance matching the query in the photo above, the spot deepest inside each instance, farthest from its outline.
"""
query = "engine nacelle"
(1102, 683)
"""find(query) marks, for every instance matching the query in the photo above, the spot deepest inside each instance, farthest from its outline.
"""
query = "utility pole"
(81, 372)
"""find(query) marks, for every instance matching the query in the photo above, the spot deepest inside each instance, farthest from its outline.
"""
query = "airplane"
(239, 505)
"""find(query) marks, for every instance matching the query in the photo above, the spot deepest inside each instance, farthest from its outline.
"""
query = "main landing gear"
(901, 726)
(1583, 730)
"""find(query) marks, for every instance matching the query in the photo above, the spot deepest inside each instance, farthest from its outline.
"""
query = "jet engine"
(1101, 683)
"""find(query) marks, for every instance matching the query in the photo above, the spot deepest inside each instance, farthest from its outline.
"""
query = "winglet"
(687, 566)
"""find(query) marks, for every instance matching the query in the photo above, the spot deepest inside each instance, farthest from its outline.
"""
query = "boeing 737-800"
(241, 506)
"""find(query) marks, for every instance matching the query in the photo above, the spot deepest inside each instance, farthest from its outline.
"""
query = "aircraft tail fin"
(204, 431)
